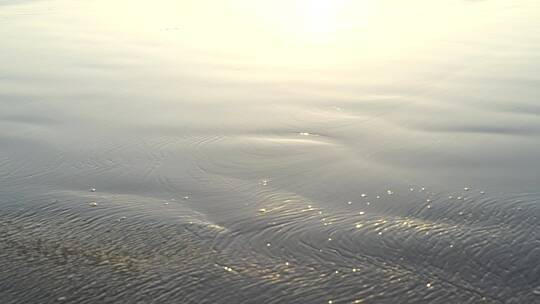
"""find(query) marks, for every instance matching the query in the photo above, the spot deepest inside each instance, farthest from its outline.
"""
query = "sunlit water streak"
(283, 152)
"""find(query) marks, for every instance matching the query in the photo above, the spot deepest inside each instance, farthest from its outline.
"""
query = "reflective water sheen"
(269, 151)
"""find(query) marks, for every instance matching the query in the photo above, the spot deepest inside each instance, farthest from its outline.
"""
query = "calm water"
(269, 151)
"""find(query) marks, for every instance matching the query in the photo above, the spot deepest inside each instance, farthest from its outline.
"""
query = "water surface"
(269, 152)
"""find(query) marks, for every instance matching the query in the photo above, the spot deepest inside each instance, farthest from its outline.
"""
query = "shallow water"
(271, 152)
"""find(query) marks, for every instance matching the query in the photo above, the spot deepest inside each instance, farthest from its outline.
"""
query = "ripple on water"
(435, 252)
